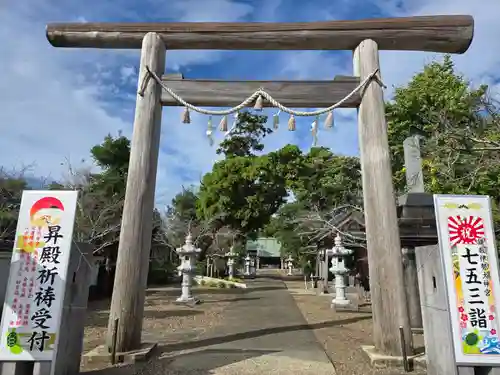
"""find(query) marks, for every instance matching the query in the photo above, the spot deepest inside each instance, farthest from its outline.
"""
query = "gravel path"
(341, 333)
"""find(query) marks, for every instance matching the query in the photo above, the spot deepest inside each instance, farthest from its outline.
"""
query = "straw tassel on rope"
(223, 124)
(210, 129)
(276, 120)
(186, 118)
(259, 103)
(314, 131)
(329, 120)
(236, 115)
(291, 123)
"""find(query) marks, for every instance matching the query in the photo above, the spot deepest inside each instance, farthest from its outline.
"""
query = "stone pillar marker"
(230, 261)
(415, 184)
(325, 254)
(413, 164)
(253, 267)
(289, 265)
(338, 253)
(187, 254)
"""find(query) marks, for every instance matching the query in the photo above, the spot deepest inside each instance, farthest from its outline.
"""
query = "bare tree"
(173, 230)
(316, 226)
(12, 184)
(98, 216)
(223, 239)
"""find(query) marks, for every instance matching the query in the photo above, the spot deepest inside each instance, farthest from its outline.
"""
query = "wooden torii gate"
(448, 34)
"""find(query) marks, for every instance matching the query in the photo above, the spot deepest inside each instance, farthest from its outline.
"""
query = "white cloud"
(45, 116)
(211, 10)
(203, 11)
(481, 63)
(57, 103)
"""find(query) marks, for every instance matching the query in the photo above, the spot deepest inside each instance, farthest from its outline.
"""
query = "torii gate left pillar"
(132, 264)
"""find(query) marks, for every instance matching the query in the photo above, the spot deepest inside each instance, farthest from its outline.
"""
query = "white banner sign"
(468, 251)
(37, 278)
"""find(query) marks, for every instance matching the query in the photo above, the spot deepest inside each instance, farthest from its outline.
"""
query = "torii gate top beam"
(447, 34)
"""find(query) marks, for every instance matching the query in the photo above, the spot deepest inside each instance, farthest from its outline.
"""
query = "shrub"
(221, 284)
(203, 282)
(212, 284)
(235, 279)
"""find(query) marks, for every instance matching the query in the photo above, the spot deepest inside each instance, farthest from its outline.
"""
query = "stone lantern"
(248, 264)
(289, 265)
(187, 254)
(231, 255)
(338, 268)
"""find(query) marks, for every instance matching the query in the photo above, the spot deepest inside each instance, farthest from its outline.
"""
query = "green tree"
(246, 138)
(325, 180)
(183, 205)
(284, 226)
(243, 190)
(460, 129)
(321, 182)
(247, 191)
(112, 156)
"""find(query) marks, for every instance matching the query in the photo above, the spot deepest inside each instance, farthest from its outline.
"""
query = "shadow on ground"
(200, 291)
(208, 359)
(200, 362)
(159, 293)
(101, 318)
(264, 288)
(279, 276)
(257, 333)
(203, 302)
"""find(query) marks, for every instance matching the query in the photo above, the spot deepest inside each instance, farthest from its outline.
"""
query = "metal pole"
(406, 365)
(113, 342)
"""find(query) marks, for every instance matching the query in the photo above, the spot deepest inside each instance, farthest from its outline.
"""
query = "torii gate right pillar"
(389, 306)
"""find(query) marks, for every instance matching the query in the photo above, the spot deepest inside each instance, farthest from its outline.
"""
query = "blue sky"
(55, 104)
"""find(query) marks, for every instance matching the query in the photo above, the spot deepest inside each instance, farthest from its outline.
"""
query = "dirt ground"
(342, 342)
(164, 321)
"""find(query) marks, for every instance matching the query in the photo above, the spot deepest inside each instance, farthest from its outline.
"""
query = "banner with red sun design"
(37, 284)
(465, 229)
(467, 247)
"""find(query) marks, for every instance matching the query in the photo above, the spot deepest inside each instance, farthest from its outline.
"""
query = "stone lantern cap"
(339, 250)
(188, 248)
(231, 254)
